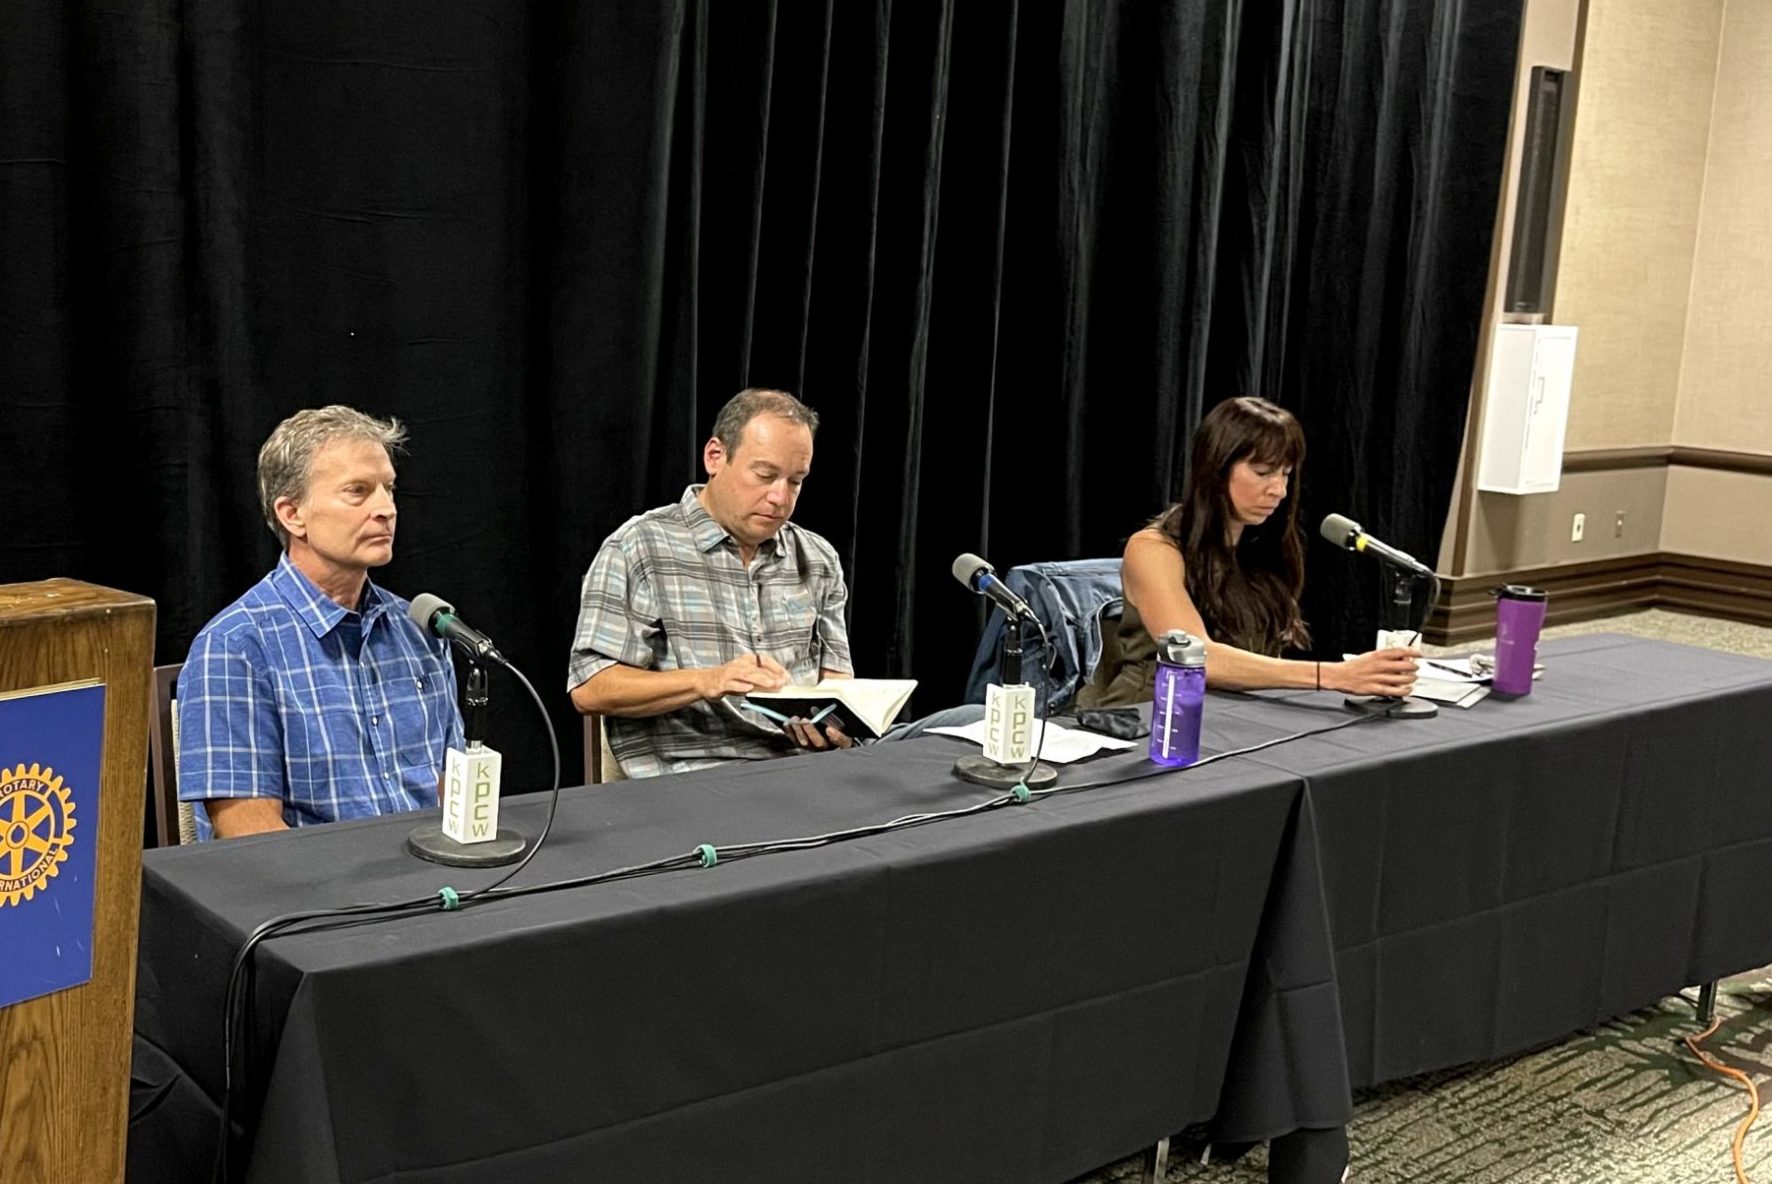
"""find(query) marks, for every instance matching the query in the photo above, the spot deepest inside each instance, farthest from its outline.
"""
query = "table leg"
(1707, 1002)
(1156, 1162)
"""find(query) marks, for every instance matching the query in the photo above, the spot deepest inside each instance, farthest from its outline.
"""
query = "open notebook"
(862, 707)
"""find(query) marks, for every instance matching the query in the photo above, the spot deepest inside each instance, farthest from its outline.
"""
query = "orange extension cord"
(1752, 1092)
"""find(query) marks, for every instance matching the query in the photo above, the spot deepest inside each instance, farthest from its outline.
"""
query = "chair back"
(601, 767)
(174, 821)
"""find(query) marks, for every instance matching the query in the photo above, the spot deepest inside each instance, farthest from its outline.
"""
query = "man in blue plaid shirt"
(313, 698)
(689, 606)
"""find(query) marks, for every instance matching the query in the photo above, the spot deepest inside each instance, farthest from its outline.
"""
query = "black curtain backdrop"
(1009, 251)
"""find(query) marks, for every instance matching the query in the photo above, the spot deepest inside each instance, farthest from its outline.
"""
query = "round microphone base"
(1408, 707)
(429, 842)
(982, 770)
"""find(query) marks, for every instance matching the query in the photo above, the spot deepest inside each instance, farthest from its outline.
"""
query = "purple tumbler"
(1519, 615)
(1180, 697)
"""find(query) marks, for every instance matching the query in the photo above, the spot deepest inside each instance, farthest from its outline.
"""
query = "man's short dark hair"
(753, 401)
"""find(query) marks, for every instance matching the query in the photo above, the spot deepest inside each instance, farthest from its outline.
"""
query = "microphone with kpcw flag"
(469, 834)
(1009, 757)
(1404, 631)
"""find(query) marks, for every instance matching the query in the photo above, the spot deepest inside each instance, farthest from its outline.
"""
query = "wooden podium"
(64, 1056)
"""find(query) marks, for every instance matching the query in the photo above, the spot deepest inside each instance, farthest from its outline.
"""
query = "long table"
(1499, 877)
(1022, 994)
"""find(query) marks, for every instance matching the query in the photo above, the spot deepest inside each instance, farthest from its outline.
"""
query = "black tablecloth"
(1500, 876)
(1021, 995)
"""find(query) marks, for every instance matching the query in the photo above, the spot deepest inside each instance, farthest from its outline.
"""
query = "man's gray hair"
(287, 458)
(753, 401)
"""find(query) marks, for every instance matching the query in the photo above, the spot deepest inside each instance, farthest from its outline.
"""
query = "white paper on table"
(1451, 670)
(1061, 745)
(1465, 669)
(1454, 691)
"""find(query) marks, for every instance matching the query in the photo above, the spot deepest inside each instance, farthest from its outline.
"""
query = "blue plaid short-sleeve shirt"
(341, 714)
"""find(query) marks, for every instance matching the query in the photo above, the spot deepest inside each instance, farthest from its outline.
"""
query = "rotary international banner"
(51, 745)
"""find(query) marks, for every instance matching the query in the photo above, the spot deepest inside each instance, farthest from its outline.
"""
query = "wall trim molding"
(1607, 460)
(1655, 456)
(1607, 587)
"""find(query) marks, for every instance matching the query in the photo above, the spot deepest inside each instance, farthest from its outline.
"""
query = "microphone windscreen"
(1341, 530)
(425, 608)
(967, 566)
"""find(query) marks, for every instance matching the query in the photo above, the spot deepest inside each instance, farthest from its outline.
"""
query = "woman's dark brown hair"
(1247, 595)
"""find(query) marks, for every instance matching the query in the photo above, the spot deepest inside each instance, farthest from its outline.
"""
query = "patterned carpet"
(1624, 1103)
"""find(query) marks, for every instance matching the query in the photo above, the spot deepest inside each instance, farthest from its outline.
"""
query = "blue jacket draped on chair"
(1075, 599)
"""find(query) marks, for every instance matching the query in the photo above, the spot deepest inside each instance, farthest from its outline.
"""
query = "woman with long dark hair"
(1226, 563)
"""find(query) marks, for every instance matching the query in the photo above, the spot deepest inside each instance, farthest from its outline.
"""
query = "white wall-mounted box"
(1526, 410)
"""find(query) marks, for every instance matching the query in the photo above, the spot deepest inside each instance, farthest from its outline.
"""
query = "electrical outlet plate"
(1578, 528)
(1618, 526)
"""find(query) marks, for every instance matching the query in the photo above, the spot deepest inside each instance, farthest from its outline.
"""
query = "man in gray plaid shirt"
(689, 606)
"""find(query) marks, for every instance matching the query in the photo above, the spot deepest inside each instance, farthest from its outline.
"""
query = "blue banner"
(51, 745)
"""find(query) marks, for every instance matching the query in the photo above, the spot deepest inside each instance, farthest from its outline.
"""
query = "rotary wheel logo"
(36, 830)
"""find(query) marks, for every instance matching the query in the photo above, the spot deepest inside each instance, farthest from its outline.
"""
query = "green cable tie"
(709, 856)
(451, 898)
(1021, 795)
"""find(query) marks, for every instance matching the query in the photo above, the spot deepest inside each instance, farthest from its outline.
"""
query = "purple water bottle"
(1180, 696)
(1519, 615)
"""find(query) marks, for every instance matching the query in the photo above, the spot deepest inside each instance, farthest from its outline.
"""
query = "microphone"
(1406, 569)
(1011, 755)
(1345, 532)
(981, 577)
(435, 615)
(468, 834)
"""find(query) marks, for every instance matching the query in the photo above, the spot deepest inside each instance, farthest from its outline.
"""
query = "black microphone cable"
(706, 855)
(237, 1000)
(553, 797)
(710, 855)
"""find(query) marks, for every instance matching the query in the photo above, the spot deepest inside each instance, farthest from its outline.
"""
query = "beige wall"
(1636, 179)
(1726, 381)
(1519, 532)
(1718, 514)
(1666, 266)
(1548, 35)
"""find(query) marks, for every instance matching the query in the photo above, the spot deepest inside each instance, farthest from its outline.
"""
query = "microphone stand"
(477, 696)
(1012, 651)
(1402, 609)
(427, 840)
(982, 770)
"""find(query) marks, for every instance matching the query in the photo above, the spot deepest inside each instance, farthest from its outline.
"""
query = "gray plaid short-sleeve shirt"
(668, 591)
